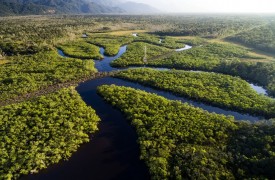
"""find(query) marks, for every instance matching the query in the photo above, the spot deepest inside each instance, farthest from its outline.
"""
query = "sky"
(211, 6)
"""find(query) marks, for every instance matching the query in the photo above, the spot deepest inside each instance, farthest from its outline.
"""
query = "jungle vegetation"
(262, 37)
(24, 74)
(209, 54)
(136, 53)
(178, 141)
(111, 44)
(193, 41)
(217, 89)
(227, 59)
(81, 50)
(213, 26)
(43, 131)
(164, 41)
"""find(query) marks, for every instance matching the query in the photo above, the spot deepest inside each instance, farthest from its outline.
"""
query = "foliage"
(24, 74)
(223, 59)
(81, 50)
(165, 41)
(212, 26)
(221, 90)
(178, 141)
(193, 41)
(41, 132)
(260, 72)
(206, 57)
(136, 52)
(164, 126)
(207, 54)
(110, 43)
(29, 35)
(262, 37)
(253, 150)
(19, 48)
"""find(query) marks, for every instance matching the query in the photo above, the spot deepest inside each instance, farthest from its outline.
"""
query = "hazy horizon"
(212, 6)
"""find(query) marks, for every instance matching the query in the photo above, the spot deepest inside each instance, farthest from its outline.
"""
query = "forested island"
(59, 111)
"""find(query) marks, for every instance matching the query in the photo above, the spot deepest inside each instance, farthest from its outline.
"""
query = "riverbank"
(53, 88)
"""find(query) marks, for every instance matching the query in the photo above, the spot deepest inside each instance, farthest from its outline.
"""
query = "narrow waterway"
(113, 152)
(104, 64)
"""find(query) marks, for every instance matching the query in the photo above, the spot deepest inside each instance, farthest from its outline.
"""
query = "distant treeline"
(262, 38)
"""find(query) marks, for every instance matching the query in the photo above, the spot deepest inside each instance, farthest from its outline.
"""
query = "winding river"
(113, 152)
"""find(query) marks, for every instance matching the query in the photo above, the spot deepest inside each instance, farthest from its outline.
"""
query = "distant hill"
(128, 6)
(138, 8)
(110, 3)
(26, 7)
(38, 7)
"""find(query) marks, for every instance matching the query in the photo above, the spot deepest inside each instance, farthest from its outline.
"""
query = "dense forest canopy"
(24, 74)
(80, 49)
(136, 52)
(221, 90)
(178, 141)
(262, 37)
(41, 132)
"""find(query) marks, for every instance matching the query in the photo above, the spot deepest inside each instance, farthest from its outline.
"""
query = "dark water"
(112, 152)
(61, 53)
(108, 81)
(104, 65)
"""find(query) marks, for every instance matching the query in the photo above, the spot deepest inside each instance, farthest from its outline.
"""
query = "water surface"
(113, 152)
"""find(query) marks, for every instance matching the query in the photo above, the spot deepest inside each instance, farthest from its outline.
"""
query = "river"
(113, 152)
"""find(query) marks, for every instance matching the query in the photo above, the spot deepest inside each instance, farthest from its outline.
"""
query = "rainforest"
(137, 97)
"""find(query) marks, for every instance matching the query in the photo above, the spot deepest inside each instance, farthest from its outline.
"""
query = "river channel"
(113, 152)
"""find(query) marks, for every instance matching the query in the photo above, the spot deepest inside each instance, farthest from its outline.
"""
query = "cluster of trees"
(136, 53)
(178, 141)
(24, 35)
(211, 26)
(225, 59)
(19, 48)
(110, 43)
(164, 41)
(81, 49)
(218, 89)
(252, 148)
(208, 55)
(24, 74)
(41, 132)
(262, 38)
(28, 36)
(193, 41)
(261, 72)
(216, 51)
